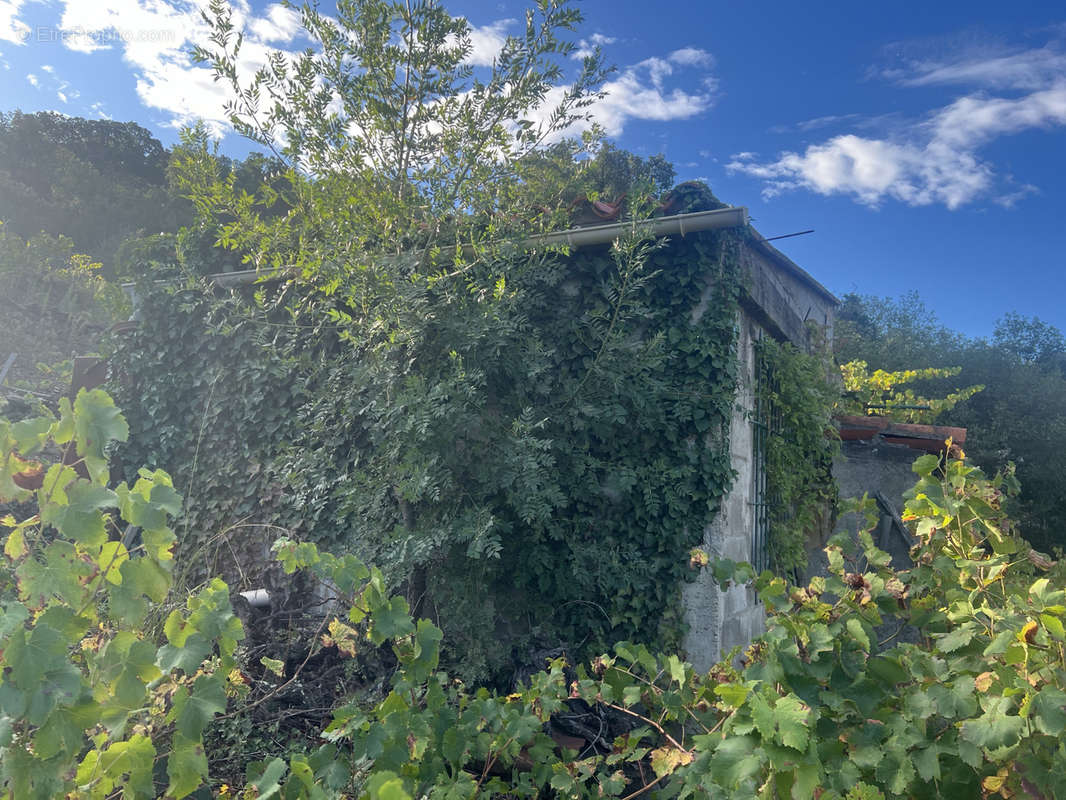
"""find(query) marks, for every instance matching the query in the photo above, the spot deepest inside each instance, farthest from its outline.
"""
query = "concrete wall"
(882, 471)
(779, 299)
(783, 298)
(718, 621)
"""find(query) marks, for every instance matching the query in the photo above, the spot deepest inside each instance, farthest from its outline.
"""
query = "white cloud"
(992, 68)
(692, 57)
(936, 159)
(487, 41)
(12, 29)
(155, 36)
(587, 47)
(280, 24)
(639, 92)
(48, 68)
(33, 79)
(65, 93)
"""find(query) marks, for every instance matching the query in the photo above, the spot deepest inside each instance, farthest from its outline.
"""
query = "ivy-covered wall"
(783, 488)
(533, 472)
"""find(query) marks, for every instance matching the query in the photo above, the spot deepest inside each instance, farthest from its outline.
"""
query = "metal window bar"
(766, 422)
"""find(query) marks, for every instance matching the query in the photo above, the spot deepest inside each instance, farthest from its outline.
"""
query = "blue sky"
(924, 144)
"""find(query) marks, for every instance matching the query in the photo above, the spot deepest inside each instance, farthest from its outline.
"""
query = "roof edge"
(762, 244)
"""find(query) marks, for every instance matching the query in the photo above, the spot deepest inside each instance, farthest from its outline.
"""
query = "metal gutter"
(676, 225)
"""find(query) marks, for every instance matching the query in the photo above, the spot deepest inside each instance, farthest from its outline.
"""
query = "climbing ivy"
(539, 452)
(212, 390)
(799, 450)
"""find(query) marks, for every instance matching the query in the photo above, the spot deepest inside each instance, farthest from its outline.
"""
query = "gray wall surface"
(717, 620)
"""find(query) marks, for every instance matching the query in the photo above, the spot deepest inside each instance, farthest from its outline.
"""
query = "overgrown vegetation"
(799, 448)
(105, 676)
(542, 459)
(53, 301)
(878, 394)
(528, 442)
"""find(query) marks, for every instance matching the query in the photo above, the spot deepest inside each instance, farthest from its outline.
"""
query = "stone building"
(779, 299)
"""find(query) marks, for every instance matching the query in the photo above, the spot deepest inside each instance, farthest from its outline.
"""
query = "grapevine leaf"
(30, 434)
(193, 710)
(141, 577)
(82, 518)
(61, 733)
(736, 759)
(732, 694)
(995, 728)
(763, 716)
(269, 783)
(391, 619)
(791, 715)
(97, 422)
(274, 665)
(665, 760)
(187, 658)
(927, 763)
(960, 637)
(1048, 710)
(63, 574)
(186, 767)
(15, 546)
(386, 785)
(134, 757)
(112, 556)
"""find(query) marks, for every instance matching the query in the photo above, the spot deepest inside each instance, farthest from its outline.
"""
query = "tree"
(390, 120)
(94, 181)
(878, 393)
(1018, 417)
